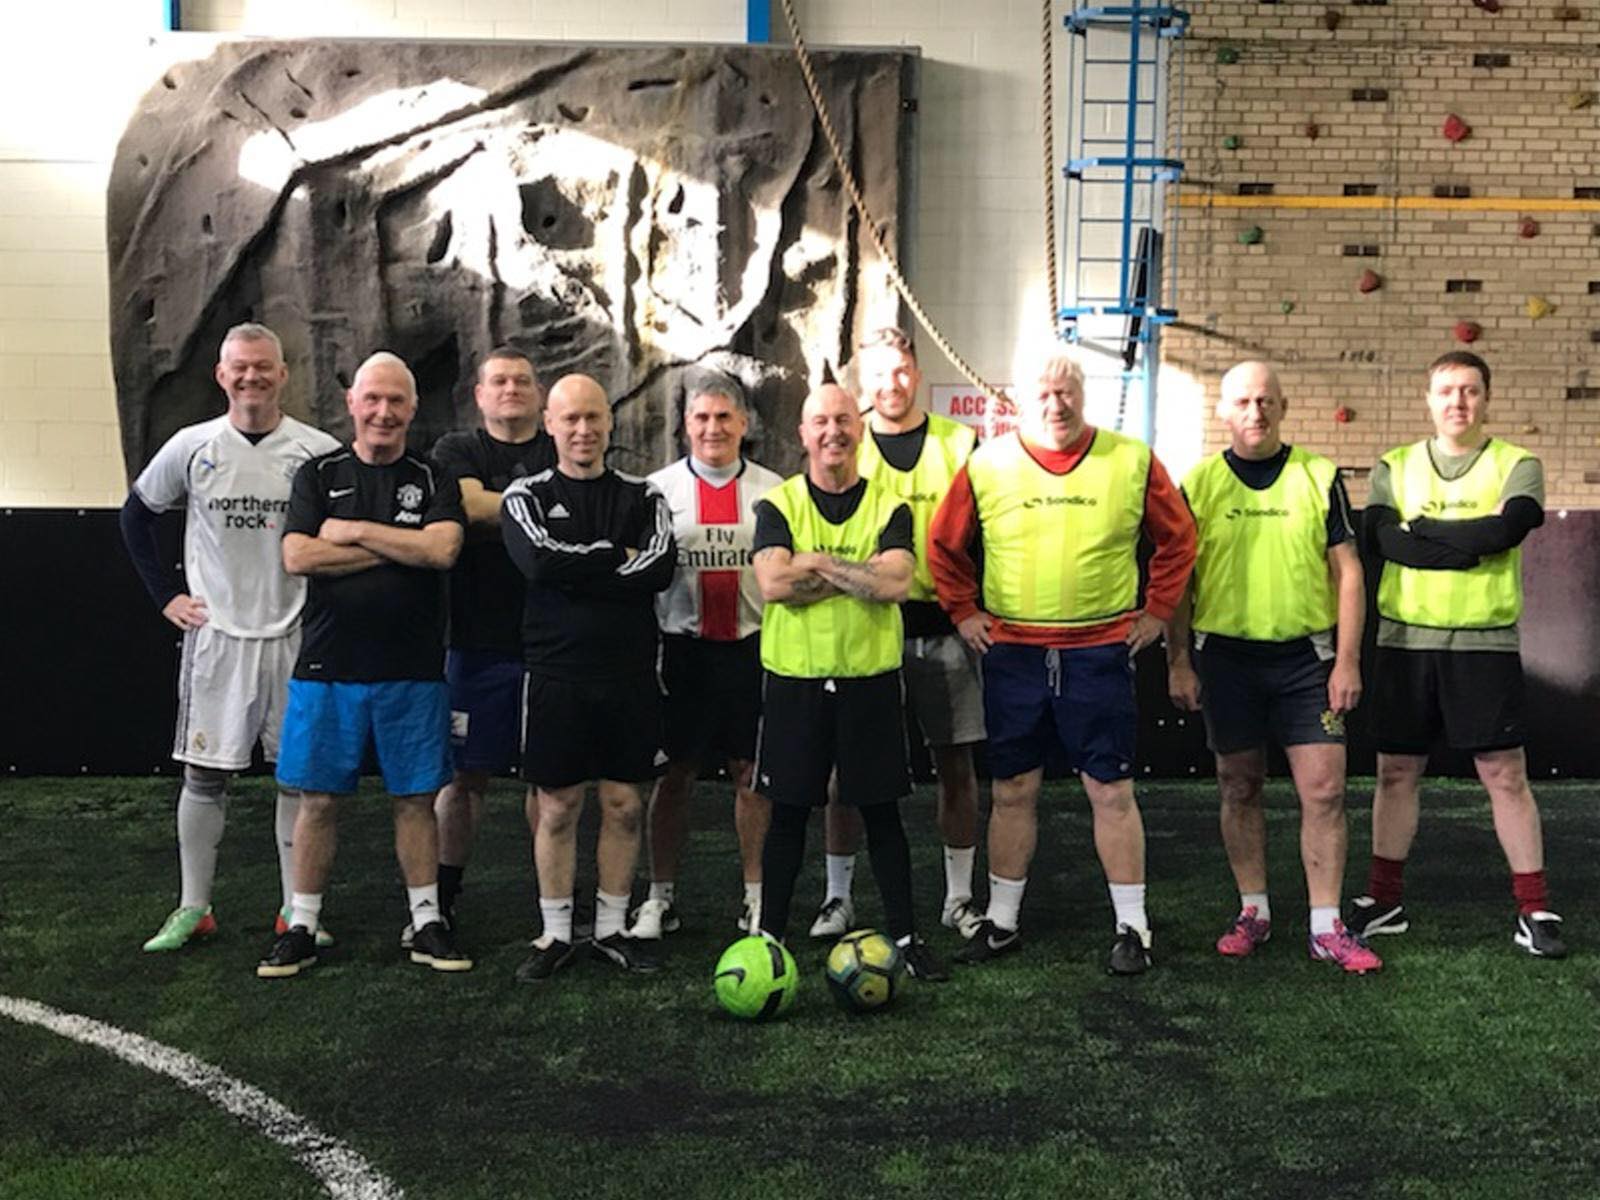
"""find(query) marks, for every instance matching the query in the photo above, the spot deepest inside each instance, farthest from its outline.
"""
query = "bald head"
(1251, 405)
(830, 431)
(577, 416)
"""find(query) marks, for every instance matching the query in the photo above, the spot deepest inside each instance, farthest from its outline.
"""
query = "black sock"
(449, 888)
(781, 855)
(891, 864)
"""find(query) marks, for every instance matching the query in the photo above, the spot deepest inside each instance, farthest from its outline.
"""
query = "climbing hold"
(1567, 12)
(1455, 129)
(1527, 228)
(1331, 18)
(1232, 142)
(1370, 281)
(1313, 130)
(1579, 99)
(1227, 55)
(1286, 307)
(1467, 331)
(1344, 414)
(1530, 429)
(1488, 6)
(1538, 308)
(1251, 236)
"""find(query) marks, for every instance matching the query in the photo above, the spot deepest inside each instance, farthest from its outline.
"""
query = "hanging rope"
(831, 136)
(1048, 75)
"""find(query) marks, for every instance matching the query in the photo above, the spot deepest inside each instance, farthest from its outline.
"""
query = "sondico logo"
(1058, 501)
(1234, 514)
(1433, 507)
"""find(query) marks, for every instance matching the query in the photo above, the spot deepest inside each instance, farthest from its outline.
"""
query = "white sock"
(663, 889)
(201, 819)
(556, 916)
(424, 903)
(1005, 901)
(958, 873)
(841, 871)
(1127, 899)
(1322, 918)
(752, 892)
(305, 908)
(288, 809)
(1258, 900)
(610, 914)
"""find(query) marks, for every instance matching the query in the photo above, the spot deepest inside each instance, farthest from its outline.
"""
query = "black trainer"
(1130, 953)
(545, 961)
(1367, 917)
(990, 941)
(1540, 935)
(434, 946)
(922, 963)
(627, 953)
(292, 952)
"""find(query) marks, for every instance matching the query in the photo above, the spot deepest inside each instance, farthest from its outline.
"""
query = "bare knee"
(1239, 784)
(619, 805)
(1113, 798)
(317, 806)
(1399, 772)
(558, 811)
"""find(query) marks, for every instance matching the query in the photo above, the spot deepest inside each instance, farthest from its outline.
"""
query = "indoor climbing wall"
(1373, 183)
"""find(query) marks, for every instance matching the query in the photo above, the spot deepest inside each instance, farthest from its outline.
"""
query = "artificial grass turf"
(1464, 1070)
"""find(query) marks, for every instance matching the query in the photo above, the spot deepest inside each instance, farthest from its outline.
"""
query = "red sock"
(1385, 880)
(1531, 891)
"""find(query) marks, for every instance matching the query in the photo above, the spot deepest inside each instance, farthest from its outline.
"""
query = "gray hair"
(702, 381)
(1048, 360)
(251, 331)
(387, 358)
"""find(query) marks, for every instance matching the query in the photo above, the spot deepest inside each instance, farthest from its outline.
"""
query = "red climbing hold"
(1455, 129)
(1527, 228)
(1467, 331)
(1344, 414)
(1370, 281)
(1313, 130)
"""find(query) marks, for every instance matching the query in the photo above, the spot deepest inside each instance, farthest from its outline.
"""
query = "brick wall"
(1526, 154)
(69, 74)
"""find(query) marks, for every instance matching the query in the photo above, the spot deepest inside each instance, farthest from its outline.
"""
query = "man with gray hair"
(1056, 611)
(710, 618)
(238, 610)
(374, 527)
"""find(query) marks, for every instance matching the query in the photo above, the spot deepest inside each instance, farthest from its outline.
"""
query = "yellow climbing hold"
(1538, 307)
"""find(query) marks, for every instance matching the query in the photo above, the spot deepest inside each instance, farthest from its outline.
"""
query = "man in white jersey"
(710, 618)
(238, 609)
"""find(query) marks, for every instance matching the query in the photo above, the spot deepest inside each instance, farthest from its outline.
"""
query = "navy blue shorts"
(1074, 707)
(485, 710)
(328, 726)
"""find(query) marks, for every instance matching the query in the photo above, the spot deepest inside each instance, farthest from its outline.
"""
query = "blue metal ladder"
(1121, 261)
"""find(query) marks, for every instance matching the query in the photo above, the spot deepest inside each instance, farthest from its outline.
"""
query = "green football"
(756, 979)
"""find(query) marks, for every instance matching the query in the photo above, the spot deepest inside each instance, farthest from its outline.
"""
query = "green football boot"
(181, 927)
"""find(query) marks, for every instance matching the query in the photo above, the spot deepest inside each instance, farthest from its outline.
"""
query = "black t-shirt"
(386, 622)
(922, 618)
(590, 610)
(902, 450)
(836, 508)
(486, 589)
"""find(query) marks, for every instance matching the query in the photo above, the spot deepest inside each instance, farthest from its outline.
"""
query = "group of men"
(514, 604)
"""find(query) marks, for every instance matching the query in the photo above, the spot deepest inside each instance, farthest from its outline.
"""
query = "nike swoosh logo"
(340, 493)
(734, 973)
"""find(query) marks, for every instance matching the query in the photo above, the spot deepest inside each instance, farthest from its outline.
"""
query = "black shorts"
(575, 732)
(710, 699)
(811, 726)
(1251, 695)
(1472, 697)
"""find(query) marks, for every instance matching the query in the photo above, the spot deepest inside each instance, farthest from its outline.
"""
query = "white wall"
(70, 73)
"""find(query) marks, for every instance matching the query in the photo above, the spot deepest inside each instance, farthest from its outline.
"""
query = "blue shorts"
(328, 727)
(1045, 706)
(485, 710)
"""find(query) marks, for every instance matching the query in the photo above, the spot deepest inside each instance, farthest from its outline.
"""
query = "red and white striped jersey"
(713, 594)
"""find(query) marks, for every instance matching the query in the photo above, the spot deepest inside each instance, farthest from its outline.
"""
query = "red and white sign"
(967, 404)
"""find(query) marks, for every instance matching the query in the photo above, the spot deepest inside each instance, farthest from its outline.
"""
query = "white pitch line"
(341, 1171)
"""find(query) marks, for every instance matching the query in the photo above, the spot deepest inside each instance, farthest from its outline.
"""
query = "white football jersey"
(713, 594)
(236, 495)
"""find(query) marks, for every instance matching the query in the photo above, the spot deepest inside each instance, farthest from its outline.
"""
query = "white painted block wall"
(70, 73)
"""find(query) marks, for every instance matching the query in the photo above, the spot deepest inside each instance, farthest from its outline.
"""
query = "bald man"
(374, 528)
(1276, 606)
(834, 557)
(595, 547)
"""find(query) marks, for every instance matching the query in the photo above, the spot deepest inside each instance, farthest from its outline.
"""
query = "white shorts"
(231, 693)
